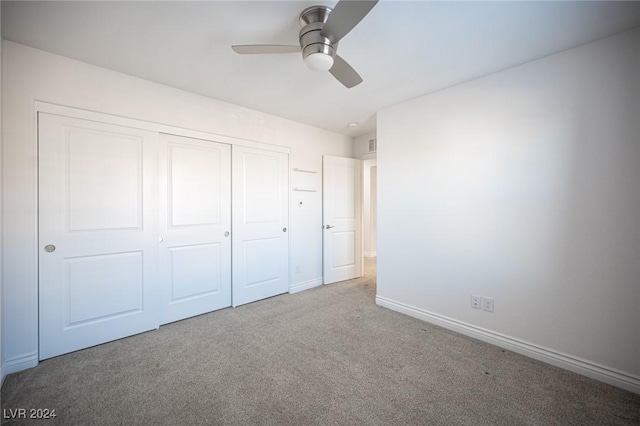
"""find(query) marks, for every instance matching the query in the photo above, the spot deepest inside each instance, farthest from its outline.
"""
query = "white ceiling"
(401, 49)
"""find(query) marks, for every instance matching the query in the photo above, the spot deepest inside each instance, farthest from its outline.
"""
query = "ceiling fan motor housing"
(322, 29)
(312, 20)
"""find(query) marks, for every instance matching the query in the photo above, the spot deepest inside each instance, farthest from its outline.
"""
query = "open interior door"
(342, 216)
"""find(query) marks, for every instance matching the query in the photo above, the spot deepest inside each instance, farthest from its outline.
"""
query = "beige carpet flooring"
(327, 356)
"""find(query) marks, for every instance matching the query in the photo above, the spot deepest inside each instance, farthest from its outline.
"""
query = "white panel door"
(342, 216)
(98, 238)
(260, 221)
(195, 226)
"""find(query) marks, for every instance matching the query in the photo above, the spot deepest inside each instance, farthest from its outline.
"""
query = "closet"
(137, 229)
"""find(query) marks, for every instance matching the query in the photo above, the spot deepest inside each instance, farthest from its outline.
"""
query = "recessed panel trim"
(196, 270)
(103, 287)
(104, 180)
(259, 267)
(194, 186)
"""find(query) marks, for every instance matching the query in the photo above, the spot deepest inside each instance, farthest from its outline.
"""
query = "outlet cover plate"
(487, 304)
(476, 301)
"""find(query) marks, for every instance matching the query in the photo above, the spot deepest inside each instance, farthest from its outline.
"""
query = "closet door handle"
(284, 229)
(329, 227)
(226, 234)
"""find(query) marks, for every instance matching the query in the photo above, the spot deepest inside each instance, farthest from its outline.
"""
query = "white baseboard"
(595, 371)
(369, 253)
(18, 364)
(297, 288)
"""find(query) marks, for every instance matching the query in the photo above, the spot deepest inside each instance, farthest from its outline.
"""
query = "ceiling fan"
(322, 29)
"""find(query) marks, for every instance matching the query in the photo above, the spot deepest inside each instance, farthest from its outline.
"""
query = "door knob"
(160, 239)
(329, 227)
(226, 234)
(49, 248)
(284, 229)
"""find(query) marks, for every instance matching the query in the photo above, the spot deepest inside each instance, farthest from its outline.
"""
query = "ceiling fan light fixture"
(321, 30)
(319, 61)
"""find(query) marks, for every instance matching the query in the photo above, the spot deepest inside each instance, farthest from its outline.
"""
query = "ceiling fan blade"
(344, 17)
(343, 72)
(256, 49)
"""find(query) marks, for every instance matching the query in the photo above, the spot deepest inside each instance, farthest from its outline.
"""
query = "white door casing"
(374, 211)
(342, 218)
(195, 226)
(260, 220)
(98, 227)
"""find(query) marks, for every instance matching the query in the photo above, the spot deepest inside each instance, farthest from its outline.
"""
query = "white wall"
(2, 369)
(361, 146)
(522, 186)
(361, 151)
(31, 75)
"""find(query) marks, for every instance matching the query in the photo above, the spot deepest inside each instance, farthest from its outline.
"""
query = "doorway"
(369, 209)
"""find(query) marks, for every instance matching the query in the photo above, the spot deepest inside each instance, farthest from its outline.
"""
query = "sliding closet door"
(98, 233)
(195, 226)
(135, 230)
(260, 222)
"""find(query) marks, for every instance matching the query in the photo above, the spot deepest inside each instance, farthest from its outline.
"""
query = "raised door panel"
(195, 182)
(104, 286)
(105, 180)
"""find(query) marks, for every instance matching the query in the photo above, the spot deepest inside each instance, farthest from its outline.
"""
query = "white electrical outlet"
(475, 301)
(487, 304)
